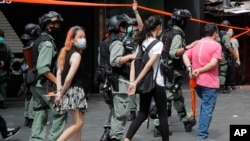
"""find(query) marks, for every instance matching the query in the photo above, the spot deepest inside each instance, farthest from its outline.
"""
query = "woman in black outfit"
(71, 97)
(152, 28)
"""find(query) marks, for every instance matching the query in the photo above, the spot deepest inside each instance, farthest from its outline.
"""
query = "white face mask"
(81, 43)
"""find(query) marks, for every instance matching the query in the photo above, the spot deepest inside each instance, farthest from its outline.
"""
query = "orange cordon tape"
(69, 3)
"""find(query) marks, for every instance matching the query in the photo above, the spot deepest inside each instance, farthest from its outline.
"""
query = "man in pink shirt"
(202, 62)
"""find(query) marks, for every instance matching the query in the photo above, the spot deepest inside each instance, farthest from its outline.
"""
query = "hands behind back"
(58, 98)
(131, 88)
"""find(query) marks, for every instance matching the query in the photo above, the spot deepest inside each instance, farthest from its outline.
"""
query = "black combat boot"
(226, 90)
(26, 121)
(106, 136)
(157, 132)
(131, 116)
(30, 122)
(188, 125)
(114, 140)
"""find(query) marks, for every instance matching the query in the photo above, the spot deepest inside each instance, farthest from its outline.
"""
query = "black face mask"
(184, 25)
(55, 32)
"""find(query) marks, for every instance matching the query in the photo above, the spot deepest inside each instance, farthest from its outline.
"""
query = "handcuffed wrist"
(185, 48)
(189, 68)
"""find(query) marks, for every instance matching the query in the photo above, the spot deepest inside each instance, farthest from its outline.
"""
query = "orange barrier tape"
(69, 3)
(154, 10)
(236, 36)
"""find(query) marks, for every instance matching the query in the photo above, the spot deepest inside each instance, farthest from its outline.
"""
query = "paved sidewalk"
(231, 108)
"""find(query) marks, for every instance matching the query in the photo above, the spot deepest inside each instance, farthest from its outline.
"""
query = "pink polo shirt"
(200, 55)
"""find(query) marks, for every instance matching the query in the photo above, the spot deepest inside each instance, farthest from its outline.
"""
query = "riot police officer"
(31, 32)
(44, 53)
(135, 25)
(129, 42)
(228, 55)
(113, 59)
(173, 82)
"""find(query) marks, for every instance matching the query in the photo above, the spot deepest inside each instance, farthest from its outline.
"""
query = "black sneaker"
(188, 125)
(11, 132)
(105, 136)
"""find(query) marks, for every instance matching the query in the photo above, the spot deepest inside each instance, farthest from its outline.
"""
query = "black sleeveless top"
(78, 78)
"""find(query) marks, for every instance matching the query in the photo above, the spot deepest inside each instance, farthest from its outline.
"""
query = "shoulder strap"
(36, 43)
(151, 45)
(112, 38)
(177, 32)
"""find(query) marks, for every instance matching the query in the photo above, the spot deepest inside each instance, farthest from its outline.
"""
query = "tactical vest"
(224, 49)
(104, 50)
(167, 38)
(105, 58)
(36, 43)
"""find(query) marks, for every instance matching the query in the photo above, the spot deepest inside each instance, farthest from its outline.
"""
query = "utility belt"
(168, 67)
(111, 74)
(31, 75)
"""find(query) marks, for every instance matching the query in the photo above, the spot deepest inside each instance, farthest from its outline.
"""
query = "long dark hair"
(149, 25)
